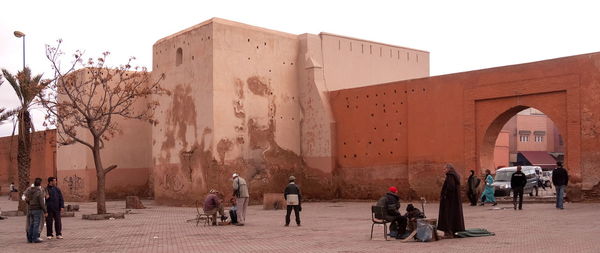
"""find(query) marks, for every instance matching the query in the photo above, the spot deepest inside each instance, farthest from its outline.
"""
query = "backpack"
(424, 231)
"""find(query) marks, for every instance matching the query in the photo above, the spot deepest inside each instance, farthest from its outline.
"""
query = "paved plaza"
(326, 227)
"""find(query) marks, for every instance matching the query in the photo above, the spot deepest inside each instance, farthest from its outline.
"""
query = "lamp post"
(19, 34)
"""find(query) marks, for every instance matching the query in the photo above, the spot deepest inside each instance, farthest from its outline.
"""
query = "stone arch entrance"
(494, 105)
(486, 150)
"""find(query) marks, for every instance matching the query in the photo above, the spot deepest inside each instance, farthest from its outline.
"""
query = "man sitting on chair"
(391, 203)
(214, 204)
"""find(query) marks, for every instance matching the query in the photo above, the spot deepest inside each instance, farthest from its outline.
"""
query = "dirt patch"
(258, 86)
(223, 147)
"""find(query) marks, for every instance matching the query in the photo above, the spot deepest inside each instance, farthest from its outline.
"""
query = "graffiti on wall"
(172, 183)
(74, 186)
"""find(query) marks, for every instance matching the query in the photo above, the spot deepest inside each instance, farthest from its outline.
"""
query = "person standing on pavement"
(240, 191)
(55, 204)
(450, 218)
(11, 189)
(518, 180)
(488, 192)
(293, 197)
(560, 179)
(36, 210)
(473, 184)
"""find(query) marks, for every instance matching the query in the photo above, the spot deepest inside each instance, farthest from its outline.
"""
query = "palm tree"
(27, 89)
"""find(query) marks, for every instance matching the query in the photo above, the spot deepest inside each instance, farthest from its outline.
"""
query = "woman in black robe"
(450, 219)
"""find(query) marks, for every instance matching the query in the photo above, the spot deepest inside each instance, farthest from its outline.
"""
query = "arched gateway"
(456, 118)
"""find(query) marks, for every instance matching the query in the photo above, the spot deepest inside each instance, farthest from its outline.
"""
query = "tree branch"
(112, 167)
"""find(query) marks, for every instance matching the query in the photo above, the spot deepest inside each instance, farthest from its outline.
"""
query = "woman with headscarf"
(488, 192)
(450, 218)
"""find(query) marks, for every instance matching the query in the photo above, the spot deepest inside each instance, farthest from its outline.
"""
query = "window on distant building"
(539, 138)
(524, 138)
(179, 57)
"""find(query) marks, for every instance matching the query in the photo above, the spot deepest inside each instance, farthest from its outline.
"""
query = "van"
(503, 176)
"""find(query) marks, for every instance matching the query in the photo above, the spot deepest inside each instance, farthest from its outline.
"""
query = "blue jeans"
(560, 193)
(33, 232)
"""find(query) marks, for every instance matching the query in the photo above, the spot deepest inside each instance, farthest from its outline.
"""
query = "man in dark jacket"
(55, 204)
(560, 179)
(391, 203)
(473, 184)
(293, 197)
(36, 209)
(450, 218)
(518, 180)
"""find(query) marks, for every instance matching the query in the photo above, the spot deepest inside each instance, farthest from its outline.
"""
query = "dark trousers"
(472, 197)
(518, 192)
(53, 216)
(289, 213)
(398, 223)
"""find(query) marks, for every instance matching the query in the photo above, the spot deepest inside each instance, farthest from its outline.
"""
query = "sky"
(460, 35)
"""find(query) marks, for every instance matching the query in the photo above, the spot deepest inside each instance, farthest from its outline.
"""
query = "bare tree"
(89, 99)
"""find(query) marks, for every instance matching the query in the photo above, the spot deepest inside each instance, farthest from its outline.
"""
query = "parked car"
(503, 176)
(546, 178)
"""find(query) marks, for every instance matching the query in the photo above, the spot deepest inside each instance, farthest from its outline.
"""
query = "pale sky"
(460, 35)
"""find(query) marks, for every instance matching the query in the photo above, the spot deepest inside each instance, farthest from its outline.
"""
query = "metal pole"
(23, 52)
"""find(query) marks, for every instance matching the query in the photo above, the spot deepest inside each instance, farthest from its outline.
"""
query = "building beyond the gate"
(338, 113)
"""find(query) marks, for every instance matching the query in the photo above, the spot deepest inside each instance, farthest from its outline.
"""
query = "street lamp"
(19, 34)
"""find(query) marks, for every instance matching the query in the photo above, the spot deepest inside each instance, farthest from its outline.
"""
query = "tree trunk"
(24, 155)
(101, 178)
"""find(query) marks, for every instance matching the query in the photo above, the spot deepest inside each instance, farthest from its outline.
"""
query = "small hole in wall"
(391, 153)
(248, 58)
(379, 153)
(401, 103)
(209, 37)
(256, 47)
(354, 155)
(345, 156)
(344, 143)
(372, 115)
(347, 98)
(383, 110)
(292, 118)
(396, 111)
(370, 142)
(413, 90)
(393, 103)
(423, 89)
(366, 154)
(348, 106)
(192, 57)
(283, 63)
(269, 70)
(400, 123)
(396, 139)
(387, 125)
(382, 140)
(356, 106)
(395, 91)
(383, 105)
(292, 63)
(248, 39)
(384, 93)
(265, 43)
(376, 95)
(374, 128)
(376, 104)
(356, 97)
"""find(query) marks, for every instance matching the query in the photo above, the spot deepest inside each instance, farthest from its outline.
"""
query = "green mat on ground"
(474, 232)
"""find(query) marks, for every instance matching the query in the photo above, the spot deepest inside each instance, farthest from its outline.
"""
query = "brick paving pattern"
(326, 227)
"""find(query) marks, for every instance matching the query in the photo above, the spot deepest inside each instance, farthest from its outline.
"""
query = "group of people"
(450, 217)
(43, 202)
(560, 180)
(213, 203)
